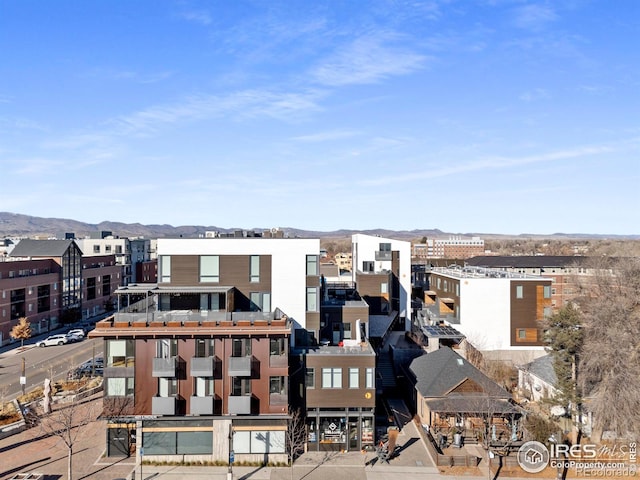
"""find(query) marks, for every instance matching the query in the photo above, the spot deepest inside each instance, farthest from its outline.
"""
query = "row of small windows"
(332, 377)
(121, 353)
(210, 268)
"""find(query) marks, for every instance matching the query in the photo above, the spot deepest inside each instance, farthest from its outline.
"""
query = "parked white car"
(53, 340)
(78, 332)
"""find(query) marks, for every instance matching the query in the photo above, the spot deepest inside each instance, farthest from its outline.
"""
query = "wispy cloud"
(494, 163)
(368, 59)
(201, 17)
(129, 75)
(534, 16)
(37, 166)
(535, 94)
(244, 104)
(326, 136)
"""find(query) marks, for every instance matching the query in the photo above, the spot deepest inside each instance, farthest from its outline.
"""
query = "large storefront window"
(333, 430)
(259, 441)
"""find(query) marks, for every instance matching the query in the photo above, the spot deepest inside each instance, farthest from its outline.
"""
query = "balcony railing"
(239, 405)
(151, 315)
(163, 405)
(383, 255)
(278, 360)
(202, 366)
(201, 405)
(240, 366)
(164, 367)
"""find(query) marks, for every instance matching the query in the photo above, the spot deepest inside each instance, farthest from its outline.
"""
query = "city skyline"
(501, 117)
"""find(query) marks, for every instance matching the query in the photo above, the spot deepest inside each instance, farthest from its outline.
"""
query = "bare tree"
(296, 436)
(21, 331)
(67, 422)
(610, 360)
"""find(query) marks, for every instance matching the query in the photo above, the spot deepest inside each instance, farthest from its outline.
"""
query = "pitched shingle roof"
(542, 368)
(40, 248)
(440, 371)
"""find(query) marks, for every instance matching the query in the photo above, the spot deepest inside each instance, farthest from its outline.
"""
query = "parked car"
(53, 340)
(79, 332)
(85, 370)
(73, 337)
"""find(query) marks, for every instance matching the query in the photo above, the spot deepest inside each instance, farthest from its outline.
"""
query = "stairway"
(385, 371)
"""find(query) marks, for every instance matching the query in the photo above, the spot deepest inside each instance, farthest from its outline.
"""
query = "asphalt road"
(42, 362)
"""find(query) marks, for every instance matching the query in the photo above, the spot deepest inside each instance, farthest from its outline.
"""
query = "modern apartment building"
(453, 247)
(50, 282)
(495, 310)
(566, 272)
(32, 289)
(198, 364)
(128, 252)
(382, 274)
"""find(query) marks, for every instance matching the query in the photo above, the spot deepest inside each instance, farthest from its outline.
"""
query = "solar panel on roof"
(441, 331)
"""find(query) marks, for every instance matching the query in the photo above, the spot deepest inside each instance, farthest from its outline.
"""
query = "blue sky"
(488, 116)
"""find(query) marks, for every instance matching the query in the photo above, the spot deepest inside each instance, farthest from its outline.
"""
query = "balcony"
(164, 367)
(381, 256)
(278, 399)
(240, 405)
(202, 366)
(201, 405)
(278, 360)
(240, 366)
(163, 405)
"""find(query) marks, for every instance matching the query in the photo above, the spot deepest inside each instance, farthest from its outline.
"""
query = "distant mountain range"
(14, 224)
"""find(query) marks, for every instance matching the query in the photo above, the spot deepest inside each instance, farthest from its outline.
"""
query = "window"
(547, 291)
(120, 353)
(96, 249)
(354, 378)
(522, 333)
(346, 330)
(259, 441)
(167, 387)
(119, 249)
(384, 288)
(312, 299)
(241, 347)
(331, 378)
(278, 385)
(310, 378)
(91, 288)
(107, 248)
(106, 285)
(312, 265)
(120, 387)
(260, 301)
(165, 268)
(209, 268)
(204, 347)
(277, 346)
(519, 291)
(166, 348)
(369, 378)
(385, 247)
(254, 268)
(240, 386)
(177, 443)
(203, 386)
(367, 266)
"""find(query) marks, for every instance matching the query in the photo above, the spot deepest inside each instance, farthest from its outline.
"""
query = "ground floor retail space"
(346, 430)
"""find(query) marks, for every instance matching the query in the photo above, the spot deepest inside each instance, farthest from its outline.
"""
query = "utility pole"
(231, 454)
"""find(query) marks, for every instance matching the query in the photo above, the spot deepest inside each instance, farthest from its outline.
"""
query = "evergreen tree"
(565, 339)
